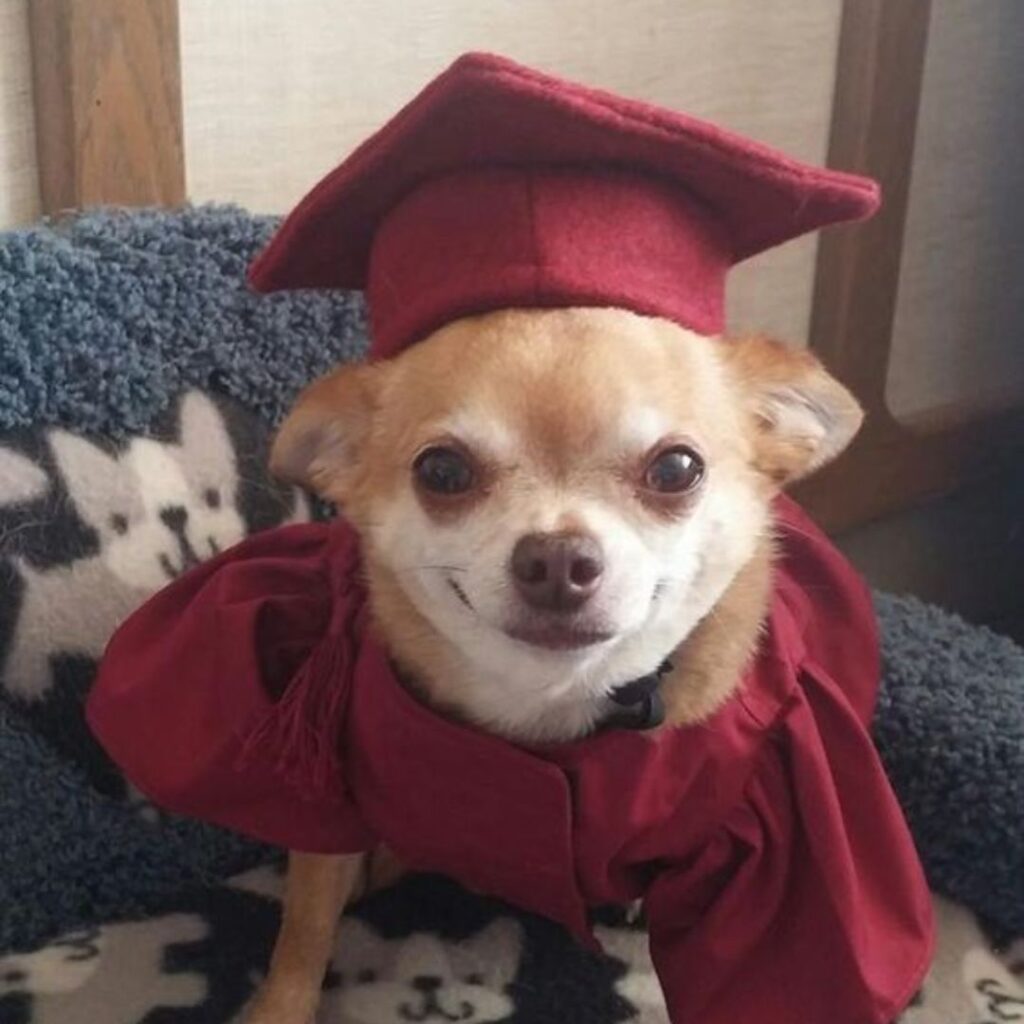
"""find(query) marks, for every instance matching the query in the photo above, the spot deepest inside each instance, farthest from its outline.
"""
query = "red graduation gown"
(779, 878)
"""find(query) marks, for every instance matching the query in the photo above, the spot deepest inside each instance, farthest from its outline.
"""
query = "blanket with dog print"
(424, 951)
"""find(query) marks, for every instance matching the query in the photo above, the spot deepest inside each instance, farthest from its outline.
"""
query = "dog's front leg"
(316, 891)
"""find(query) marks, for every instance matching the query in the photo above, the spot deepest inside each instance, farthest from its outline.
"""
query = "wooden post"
(893, 463)
(879, 78)
(107, 77)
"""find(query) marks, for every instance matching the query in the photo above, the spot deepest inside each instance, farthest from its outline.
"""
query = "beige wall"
(19, 191)
(961, 301)
(273, 100)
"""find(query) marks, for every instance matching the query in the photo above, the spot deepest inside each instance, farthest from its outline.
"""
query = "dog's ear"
(800, 417)
(319, 445)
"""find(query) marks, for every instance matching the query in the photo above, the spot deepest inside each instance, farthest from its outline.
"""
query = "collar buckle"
(638, 703)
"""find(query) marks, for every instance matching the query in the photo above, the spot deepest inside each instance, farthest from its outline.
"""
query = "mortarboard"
(499, 186)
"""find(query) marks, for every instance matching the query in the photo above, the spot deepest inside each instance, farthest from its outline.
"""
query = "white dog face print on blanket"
(156, 508)
(94, 528)
(115, 974)
(422, 977)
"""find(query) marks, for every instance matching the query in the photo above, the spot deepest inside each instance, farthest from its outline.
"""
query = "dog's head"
(550, 501)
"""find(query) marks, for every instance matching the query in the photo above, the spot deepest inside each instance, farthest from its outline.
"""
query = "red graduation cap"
(499, 186)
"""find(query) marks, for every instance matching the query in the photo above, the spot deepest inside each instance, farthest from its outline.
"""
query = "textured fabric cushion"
(950, 726)
(106, 319)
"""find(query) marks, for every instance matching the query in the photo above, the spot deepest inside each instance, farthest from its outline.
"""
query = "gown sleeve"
(809, 903)
(201, 668)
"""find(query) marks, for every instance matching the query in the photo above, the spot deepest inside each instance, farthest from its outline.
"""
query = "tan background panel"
(276, 92)
(19, 189)
(957, 337)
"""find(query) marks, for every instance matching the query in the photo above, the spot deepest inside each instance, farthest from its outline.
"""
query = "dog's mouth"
(559, 636)
(550, 634)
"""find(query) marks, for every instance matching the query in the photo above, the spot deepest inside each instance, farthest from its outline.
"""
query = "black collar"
(638, 703)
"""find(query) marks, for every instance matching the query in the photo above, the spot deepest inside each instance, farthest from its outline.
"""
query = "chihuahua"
(550, 502)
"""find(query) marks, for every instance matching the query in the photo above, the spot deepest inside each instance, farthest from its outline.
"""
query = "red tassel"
(300, 735)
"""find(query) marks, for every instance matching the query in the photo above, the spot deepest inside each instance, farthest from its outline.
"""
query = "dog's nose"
(426, 983)
(557, 572)
(174, 517)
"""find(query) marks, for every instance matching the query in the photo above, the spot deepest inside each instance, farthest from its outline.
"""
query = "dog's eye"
(366, 977)
(674, 470)
(443, 471)
(212, 497)
(474, 979)
(119, 523)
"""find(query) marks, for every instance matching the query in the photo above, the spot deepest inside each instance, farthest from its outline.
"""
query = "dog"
(550, 502)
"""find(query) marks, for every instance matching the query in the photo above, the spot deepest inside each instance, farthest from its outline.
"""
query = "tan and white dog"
(549, 503)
